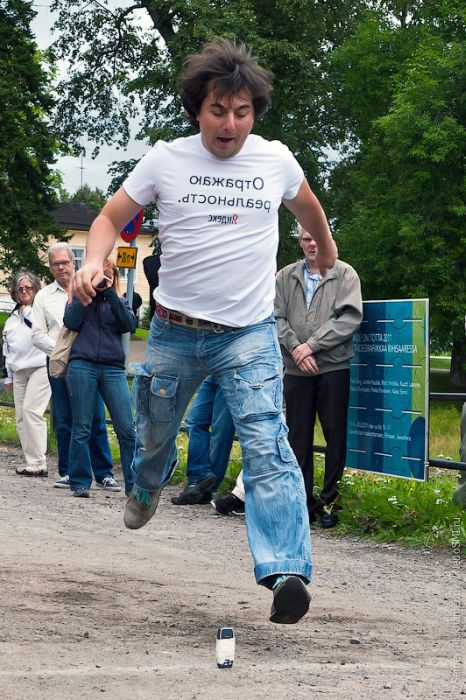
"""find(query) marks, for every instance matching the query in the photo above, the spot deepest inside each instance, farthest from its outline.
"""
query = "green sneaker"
(140, 507)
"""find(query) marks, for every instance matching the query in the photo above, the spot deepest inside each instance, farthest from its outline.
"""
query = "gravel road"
(88, 607)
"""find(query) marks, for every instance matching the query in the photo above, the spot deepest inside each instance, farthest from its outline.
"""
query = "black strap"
(26, 320)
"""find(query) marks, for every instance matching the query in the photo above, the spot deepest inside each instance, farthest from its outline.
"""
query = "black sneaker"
(193, 494)
(224, 505)
(109, 484)
(290, 600)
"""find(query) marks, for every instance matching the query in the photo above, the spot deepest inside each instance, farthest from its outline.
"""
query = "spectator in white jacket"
(27, 373)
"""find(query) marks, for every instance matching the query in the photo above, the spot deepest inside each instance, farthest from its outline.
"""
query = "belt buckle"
(218, 328)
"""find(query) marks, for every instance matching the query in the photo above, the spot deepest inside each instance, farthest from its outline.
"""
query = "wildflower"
(437, 491)
(392, 499)
(439, 501)
(434, 528)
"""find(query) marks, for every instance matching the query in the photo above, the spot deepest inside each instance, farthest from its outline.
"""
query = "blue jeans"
(210, 431)
(101, 459)
(85, 381)
(248, 367)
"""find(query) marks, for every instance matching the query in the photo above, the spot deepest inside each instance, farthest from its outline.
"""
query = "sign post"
(127, 257)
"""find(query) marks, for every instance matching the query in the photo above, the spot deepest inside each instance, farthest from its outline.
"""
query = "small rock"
(354, 640)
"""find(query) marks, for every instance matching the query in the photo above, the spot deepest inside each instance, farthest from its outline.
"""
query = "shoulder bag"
(58, 363)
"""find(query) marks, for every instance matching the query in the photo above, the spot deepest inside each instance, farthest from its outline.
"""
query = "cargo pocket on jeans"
(163, 398)
(258, 391)
(154, 395)
(286, 453)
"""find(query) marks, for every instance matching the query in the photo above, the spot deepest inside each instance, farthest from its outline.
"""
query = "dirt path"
(88, 607)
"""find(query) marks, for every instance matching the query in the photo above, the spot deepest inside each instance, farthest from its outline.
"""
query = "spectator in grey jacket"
(316, 318)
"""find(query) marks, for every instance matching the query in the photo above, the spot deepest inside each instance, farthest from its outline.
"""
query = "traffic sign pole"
(129, 297)
(129, 234)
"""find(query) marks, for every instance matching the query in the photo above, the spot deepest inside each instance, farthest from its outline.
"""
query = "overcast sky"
(94, 172)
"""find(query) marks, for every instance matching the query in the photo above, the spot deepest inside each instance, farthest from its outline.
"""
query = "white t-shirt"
(218, 224)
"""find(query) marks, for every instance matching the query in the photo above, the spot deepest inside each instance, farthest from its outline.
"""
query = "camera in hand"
(102, 285)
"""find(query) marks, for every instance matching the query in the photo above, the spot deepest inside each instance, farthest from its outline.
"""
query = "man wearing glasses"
(47, 320)
(316, 318)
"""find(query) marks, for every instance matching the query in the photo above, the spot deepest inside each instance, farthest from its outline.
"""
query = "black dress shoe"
(199, 492)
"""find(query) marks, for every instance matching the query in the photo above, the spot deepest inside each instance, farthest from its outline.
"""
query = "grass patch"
(444, 430)
(140, 333)
(440, 363)
(386, 509)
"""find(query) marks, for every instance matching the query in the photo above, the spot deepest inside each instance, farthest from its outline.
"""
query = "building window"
(79, 255)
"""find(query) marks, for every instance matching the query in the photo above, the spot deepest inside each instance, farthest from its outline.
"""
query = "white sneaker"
(109, 484)
(62, 483)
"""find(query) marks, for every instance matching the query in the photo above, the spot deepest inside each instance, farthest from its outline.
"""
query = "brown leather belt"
(182, 319)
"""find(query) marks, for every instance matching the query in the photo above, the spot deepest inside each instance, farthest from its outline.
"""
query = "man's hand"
(100, 241)
(308, 366)
(300, 352)
(305, 360)
(85, 281)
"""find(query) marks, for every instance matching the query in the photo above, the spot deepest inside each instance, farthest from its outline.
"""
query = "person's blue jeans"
(210, 430)
(85, 381)
(248, 367)
(101, 459)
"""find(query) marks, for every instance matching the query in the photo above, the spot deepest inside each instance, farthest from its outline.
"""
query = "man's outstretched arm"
(115, 215)
(308, 210)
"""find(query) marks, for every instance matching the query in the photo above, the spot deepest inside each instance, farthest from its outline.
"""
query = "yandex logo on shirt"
(223, 219)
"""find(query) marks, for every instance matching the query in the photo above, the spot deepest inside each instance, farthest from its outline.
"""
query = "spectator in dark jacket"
(97, 364)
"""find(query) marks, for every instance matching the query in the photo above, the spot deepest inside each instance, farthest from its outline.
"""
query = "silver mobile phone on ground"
(225, 647)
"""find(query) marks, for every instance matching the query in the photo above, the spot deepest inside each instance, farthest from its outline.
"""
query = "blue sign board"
(389, 395)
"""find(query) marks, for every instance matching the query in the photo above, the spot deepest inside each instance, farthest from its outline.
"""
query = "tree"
(28, 146)
(125, 61)
(86, 195)
(398, 191)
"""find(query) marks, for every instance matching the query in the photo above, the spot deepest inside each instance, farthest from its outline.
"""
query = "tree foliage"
(27, 145)
(398, 191)
(93, 197)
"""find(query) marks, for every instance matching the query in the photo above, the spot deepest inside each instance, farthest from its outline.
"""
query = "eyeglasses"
(307, 240)
(25, 289)
(61, 263)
